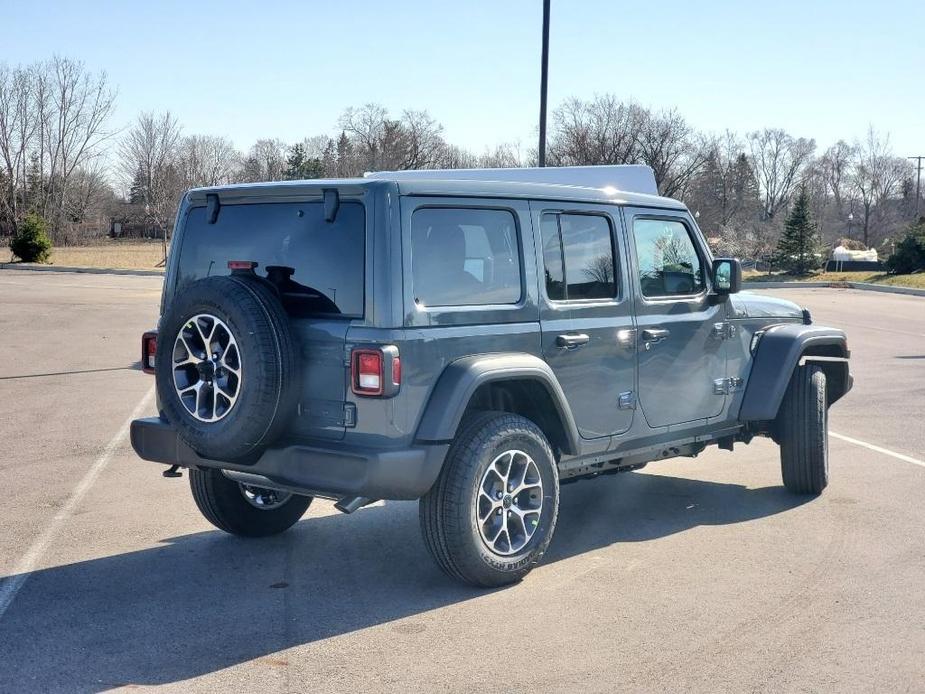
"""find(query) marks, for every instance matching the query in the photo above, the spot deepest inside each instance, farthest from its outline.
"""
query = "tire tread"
(802, 423)
(441, 510)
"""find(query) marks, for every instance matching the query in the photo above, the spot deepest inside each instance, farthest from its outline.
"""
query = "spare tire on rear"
(227, 367)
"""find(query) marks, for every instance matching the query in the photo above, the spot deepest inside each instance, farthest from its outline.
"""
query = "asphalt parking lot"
(690, 574)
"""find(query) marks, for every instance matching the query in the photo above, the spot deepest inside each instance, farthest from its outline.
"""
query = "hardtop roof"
(437, 187)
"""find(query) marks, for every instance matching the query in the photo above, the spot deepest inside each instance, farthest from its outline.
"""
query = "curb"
(33, 267)
(866, 286)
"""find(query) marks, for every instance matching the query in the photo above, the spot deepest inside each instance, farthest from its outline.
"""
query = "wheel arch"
(783, 348)
(519, 383)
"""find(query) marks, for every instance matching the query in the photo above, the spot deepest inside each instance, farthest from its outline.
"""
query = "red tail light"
(375, 371)
(241, 264)
(148, 351)
(367, 372)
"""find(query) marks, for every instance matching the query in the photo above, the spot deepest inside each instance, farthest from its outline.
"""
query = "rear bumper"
(340, 471)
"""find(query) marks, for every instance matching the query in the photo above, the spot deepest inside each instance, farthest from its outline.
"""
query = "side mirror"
(727, 276)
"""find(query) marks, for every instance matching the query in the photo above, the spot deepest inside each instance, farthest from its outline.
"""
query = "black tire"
(448, 511)
(802, 428)
(222, 503)
(268, 390)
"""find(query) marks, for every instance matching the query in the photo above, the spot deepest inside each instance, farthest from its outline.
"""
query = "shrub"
(30, 243)
(909, 255)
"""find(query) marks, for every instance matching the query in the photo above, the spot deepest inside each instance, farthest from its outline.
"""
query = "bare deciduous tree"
(835, 167)
(458, 158)
(778, 160)
(504, 156)
(600, 131)
(672, 149)
(148, 154)
(53, 118)
(18, 126)
(265, 161)
(380, 143)
(600, 269)
(877, 176)
(605, 130)
(73, 108)
(206, 160)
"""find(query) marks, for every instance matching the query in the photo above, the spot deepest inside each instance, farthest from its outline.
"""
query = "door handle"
(572, 341)
(652, 336)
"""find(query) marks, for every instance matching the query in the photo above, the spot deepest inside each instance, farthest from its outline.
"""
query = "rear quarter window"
(318, 266)
(464, 256)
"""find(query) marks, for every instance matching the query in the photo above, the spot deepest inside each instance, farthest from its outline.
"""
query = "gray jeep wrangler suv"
(469, 343)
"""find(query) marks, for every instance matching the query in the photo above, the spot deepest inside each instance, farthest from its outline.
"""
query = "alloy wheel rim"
(509, 502)
(262, 498)
(206, 365)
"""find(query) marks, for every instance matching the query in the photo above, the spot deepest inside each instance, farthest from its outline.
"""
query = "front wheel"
(242, 509)
(803, 432)
(490, 516)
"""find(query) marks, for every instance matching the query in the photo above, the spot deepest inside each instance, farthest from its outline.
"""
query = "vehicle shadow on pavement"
(207, 601)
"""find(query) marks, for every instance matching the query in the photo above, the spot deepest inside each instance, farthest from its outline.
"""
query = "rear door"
(318, 269)
(586, 314)
(681, 332)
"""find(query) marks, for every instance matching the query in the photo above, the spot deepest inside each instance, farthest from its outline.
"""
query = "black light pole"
(544, 79)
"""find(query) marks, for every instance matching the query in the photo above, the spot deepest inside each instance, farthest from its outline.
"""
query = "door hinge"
(627, 401)
(724, 386)
(350, 414)
(724, 330)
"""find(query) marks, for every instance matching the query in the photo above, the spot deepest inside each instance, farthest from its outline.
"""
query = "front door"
(586, 314)
(681, 329)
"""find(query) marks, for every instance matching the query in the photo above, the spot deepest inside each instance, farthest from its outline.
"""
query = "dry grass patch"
(134, 255)
(917, 280)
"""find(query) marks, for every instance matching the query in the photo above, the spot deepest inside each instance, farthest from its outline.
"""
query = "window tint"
(464, 256)
(668, 262)
(552, 256)
(578, 257)
(318, 266)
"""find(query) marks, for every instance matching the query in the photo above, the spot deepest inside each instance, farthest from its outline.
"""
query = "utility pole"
(544, 81)
(918, 183)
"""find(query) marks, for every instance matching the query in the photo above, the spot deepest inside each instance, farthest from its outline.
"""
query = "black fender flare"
(780, 350)
(461, 378)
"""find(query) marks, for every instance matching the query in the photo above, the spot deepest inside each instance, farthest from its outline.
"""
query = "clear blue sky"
(822, 69)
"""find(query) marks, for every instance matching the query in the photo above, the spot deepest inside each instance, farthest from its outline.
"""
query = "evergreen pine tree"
(299, 166)
(345, 164)
(295, 163)
(797, 247)
(35, 186)
(138, 192)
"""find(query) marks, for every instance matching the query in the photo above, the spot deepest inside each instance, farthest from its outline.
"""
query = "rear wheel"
(491, 514)
(242, 509)
(802, 426)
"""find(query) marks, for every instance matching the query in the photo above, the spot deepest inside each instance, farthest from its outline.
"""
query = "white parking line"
(11, 586)
(878, 449)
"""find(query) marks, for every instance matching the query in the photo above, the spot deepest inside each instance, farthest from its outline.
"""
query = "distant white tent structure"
(840, 254)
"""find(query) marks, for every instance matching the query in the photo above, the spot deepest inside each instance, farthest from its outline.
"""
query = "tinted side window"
(318, 266)
(668, 261)
(464, 256)
(552, 257)
(578, 257)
